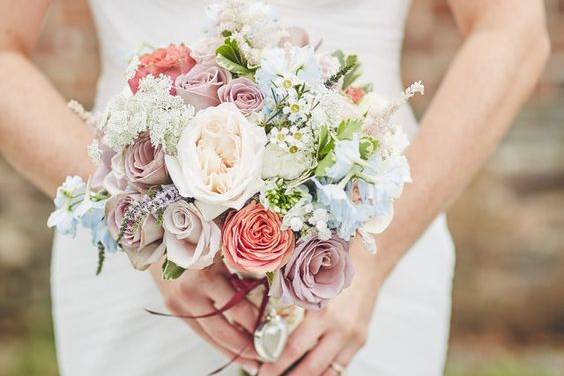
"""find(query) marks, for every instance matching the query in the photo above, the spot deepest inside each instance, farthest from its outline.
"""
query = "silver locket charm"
(270, 337)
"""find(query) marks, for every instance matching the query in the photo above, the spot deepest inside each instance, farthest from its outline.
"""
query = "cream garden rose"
(219, 160)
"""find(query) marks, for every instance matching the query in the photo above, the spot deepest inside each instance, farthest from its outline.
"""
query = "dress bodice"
(372, 29)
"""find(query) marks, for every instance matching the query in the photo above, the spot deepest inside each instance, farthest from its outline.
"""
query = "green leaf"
(101, 258)
(325, 163)
(229, 56)
(171, 270)
(232, 67)
(368, 145)
(270, 277)
(326, 142)
(347, 128)
(340, 55)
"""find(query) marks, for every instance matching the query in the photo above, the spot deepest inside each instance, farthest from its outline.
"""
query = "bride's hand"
(336, 333)
(199, 292)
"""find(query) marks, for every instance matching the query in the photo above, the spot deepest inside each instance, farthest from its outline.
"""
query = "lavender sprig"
(150, 204)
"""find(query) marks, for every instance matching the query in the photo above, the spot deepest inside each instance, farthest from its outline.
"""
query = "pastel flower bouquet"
(252, 148)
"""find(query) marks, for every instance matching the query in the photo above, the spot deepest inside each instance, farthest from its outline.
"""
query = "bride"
(394, 319)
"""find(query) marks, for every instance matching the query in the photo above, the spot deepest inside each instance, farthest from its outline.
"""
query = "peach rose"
(171, 61)
(253, 241)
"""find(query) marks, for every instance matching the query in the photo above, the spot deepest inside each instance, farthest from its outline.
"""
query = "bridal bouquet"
(252, 148)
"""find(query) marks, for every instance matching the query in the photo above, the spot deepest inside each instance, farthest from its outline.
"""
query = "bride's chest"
(168, 20)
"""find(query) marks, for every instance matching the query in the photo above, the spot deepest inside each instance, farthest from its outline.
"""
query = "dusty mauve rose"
(317, 272)
(143, 244)
(244, 93)
(199, 86)
(115, 181)
(144, 165)
(191, 242)
(253, 242)
(171, 61)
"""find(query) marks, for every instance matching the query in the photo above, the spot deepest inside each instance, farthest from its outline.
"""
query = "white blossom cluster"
(305, 217)
(252, 24)
(151, 109)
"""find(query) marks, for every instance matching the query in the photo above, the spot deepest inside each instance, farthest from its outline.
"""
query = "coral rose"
(253, 241)
(171, 61)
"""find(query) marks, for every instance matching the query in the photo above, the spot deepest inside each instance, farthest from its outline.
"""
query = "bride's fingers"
(343, 358)
(243, 313)
(304, 338)
(246, 363)
(320, 357)
(225, 334)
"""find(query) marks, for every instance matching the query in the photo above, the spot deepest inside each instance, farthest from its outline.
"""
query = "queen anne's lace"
(151, 109)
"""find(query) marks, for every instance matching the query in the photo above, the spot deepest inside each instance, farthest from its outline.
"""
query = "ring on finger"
(338, 369)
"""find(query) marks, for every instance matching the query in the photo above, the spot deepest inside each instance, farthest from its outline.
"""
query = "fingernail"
(251, 370)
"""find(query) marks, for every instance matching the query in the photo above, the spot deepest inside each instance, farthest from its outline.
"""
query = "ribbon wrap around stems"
(242, 288)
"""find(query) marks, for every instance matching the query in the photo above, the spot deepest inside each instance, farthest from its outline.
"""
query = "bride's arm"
(39, 135)
(45, 142)
(505, 49)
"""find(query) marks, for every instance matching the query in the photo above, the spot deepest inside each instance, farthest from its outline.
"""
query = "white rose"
(280, 163)
(219, 160)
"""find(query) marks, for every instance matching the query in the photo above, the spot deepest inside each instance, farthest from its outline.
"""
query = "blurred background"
(508, 226)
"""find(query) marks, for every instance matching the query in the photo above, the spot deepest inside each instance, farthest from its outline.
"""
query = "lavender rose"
(144, 164)
(143, 244)
(317, 272)
(244, 93)
(191, 242)
(199, 86)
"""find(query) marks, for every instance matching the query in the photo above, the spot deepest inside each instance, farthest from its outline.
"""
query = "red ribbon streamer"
(242, 288)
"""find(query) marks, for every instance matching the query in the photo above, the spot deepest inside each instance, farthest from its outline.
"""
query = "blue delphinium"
(91, 213)
(69, 195)
(347, 155)
(347, 216)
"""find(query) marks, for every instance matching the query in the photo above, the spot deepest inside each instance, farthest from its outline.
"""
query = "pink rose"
(244, 93)
(253, 241)
(199, 86)
(144, 165)
(191, 242)
(143, 243)
(317, 272)
(171, 61)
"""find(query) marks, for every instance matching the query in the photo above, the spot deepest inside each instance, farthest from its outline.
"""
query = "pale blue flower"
(347, 154)
(101, 234)
(68, 197)
(390, 175)
(64, 221)
(347, 216)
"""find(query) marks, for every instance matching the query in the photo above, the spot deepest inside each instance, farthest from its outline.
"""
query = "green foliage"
(347, 128)
(229, 56)
(325, 163)
(326, 142)
(368, 145)
(352, 65)
(171, 271)
(101, 258)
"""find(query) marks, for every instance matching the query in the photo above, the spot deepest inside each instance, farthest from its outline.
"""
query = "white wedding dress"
(100, 324)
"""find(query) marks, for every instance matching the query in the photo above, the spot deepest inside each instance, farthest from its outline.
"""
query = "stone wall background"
(508, 226)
